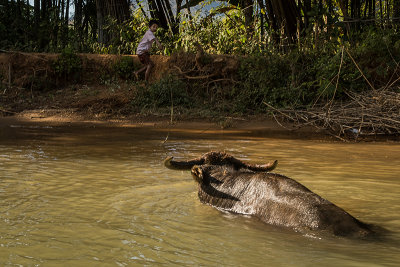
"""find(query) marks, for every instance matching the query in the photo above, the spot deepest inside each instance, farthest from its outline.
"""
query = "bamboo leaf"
(224, 9)
(192, 3)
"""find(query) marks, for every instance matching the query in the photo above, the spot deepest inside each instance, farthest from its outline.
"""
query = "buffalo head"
(218, 158)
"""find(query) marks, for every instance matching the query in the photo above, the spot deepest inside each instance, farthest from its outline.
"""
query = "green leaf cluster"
(68, 65)
(165, 93)
(124, 68)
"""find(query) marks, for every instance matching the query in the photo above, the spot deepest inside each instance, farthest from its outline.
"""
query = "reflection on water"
(101, 196)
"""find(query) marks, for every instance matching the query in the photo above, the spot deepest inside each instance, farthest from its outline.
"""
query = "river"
(100, 196)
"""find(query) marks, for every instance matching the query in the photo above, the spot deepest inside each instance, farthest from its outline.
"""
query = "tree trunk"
(45, 33)
(58, 30)
(78, 23)
(343, 4)
(65, 25)
(156, 11)
(272, 21)
(115, 9)
(100, 21)
(289, 16)
(262, 16)
(306, 9)
(248, 16)
(162, 10)
(396, 11)
(171, 19)
(388, 10)
(36, 15)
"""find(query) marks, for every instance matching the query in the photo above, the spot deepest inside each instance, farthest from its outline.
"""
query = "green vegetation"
(295, 56)
(297, 79)
(230, 27)
(124, 68)
(68, 65)
(165, 93)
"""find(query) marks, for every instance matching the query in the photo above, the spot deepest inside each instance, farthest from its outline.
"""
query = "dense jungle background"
(329, 64)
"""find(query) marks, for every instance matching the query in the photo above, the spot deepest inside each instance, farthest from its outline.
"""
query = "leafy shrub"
(262, 79)
(166, 92)
(124, 68)
(106, 77)
(377, 56)
(68, 65)
(124, 36)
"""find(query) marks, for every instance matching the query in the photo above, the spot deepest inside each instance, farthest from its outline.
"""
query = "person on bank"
(143, 50)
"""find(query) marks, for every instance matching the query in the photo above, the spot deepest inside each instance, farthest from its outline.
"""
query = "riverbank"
(254, 126)
(193, 127)
(42, 89)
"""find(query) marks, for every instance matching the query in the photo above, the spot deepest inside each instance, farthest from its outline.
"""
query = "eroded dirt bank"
(97, 87)
(32, 93)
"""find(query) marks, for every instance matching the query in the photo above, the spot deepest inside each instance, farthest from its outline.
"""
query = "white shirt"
(146, 43)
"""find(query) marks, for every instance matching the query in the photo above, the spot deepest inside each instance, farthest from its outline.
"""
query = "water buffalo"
(231, 185)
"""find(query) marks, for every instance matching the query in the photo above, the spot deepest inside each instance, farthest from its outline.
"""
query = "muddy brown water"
(92, 196)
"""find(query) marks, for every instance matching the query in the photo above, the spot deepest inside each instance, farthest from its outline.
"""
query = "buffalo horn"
(181, 165)
(265, 168)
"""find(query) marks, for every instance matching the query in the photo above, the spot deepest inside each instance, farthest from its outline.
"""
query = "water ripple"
(104, 198)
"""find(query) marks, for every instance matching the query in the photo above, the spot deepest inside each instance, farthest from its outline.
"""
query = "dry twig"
(373, 113)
